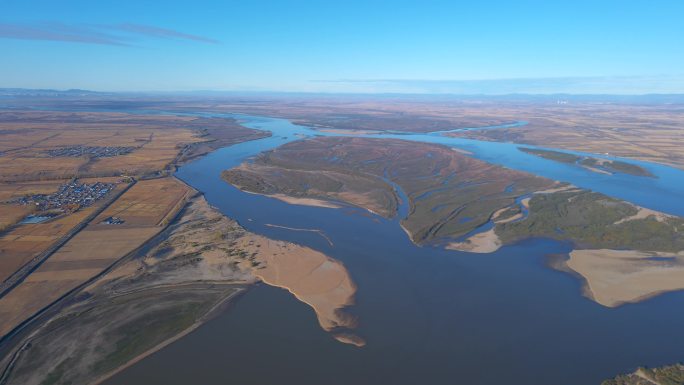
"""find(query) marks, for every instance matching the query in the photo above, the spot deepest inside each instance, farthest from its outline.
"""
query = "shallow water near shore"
(428, 315)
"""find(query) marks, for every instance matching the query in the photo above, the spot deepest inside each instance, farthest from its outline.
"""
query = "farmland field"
(144, 208)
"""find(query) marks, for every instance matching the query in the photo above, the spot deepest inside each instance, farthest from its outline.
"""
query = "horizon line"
(379, 93)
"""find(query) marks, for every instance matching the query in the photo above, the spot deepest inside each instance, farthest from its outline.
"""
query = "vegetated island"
(605, 166)
(664, 375)
(625, 253)
(449, 193)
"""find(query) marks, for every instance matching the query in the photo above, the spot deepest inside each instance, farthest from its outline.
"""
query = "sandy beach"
(305, 201)
(615, 277)
(312, 277)
(485, 242)
(498, 213)
(561, 188)
(644, 213)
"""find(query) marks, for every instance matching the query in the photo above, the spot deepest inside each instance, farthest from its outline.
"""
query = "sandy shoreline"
(305, 201)
(497, 214)
(341, 131)
(297, 201)
(461, 151)
(482, 243)
(616, 277)
(561, 188)
(597, 170)
(644, 213)
(312, 277)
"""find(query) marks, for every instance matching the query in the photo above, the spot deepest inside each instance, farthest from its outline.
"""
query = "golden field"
(26, 137)
(148, 203)
(649, 133)
(145, 208)
(76, 246)
(20, 244)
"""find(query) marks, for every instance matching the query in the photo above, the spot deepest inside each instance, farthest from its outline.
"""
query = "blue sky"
(345, 46)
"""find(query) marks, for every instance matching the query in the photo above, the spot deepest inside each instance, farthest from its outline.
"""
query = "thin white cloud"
(58, 32)
(119, 35)
(164, 33)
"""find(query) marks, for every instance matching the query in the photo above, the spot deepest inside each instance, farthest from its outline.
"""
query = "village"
(91, 151)
(69, 197)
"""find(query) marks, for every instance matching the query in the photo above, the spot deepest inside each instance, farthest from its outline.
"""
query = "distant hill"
(514, 98)
(49, 92)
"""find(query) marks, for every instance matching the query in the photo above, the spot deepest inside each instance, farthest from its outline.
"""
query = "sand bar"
(485, 242)
(305, 201)
(615, 277)
(315, 279)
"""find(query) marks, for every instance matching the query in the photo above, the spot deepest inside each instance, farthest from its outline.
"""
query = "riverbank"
(312, 277)
(176, 283)
(222, 305)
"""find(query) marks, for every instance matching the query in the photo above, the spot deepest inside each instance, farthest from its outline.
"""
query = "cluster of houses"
(90, 151)
(69, 197)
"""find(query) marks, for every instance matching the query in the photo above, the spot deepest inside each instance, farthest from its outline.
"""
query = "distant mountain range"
(533, 98)
(49, 92)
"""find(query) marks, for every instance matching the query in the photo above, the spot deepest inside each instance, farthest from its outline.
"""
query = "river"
(429, 316)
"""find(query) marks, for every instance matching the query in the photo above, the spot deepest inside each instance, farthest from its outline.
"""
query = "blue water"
(429, 316)
(506, 125)
(35, 219)
(662, 193)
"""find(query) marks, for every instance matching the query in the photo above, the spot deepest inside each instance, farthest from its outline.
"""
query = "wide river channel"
(429, 316)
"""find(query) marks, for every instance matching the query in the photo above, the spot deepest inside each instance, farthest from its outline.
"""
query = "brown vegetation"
(449, 193)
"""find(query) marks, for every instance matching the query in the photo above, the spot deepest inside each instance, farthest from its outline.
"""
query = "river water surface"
(429, 316)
